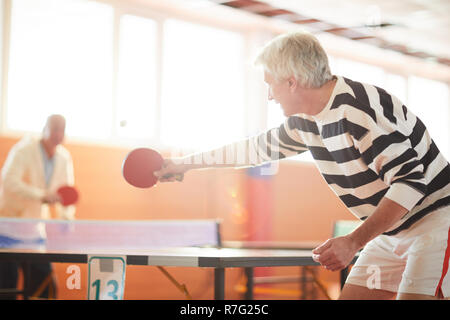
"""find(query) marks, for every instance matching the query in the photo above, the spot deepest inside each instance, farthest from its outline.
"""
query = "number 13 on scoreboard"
(106, 279)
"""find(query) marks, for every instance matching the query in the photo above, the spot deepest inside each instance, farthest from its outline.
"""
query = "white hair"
(297, 54)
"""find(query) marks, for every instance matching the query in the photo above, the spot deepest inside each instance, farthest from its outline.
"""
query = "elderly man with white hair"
(374, 153)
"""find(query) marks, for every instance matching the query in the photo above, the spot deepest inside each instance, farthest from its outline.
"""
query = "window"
(429, 100)
(137, 78)
(358, 71)
(60, 61)
(202, 86)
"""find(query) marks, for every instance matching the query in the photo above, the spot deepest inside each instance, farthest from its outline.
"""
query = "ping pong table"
(190, 243)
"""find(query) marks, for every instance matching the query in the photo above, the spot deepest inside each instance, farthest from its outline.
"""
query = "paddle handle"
(178, 176)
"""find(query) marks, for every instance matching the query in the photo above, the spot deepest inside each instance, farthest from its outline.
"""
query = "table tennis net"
(89, 234)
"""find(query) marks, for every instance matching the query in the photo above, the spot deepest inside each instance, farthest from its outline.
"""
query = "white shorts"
(415, 260)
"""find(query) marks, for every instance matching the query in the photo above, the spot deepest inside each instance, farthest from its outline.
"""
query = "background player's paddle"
(68, 194)
(139, 166)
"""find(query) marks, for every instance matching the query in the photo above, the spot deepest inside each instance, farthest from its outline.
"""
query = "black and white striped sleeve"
(275, 144)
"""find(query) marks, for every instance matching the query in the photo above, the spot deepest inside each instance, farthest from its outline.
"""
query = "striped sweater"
(367, 145)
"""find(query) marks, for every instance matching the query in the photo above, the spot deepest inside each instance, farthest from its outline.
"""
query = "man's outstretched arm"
(275, 144)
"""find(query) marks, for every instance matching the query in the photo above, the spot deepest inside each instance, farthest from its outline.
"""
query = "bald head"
(54, 130)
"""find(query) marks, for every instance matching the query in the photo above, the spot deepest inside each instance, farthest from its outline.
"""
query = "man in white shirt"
(31, 176)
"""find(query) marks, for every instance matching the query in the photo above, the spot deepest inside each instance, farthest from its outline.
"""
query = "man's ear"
(293, 83)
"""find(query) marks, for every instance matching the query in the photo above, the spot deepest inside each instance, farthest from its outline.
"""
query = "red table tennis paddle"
(68, 194)
(139, 166)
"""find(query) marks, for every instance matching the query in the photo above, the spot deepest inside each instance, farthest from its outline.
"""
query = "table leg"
(303, 279)
(219, 284)
(250, 283)
(26, 280)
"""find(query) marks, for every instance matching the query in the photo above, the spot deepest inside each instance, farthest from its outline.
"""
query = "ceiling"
(419, 28)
